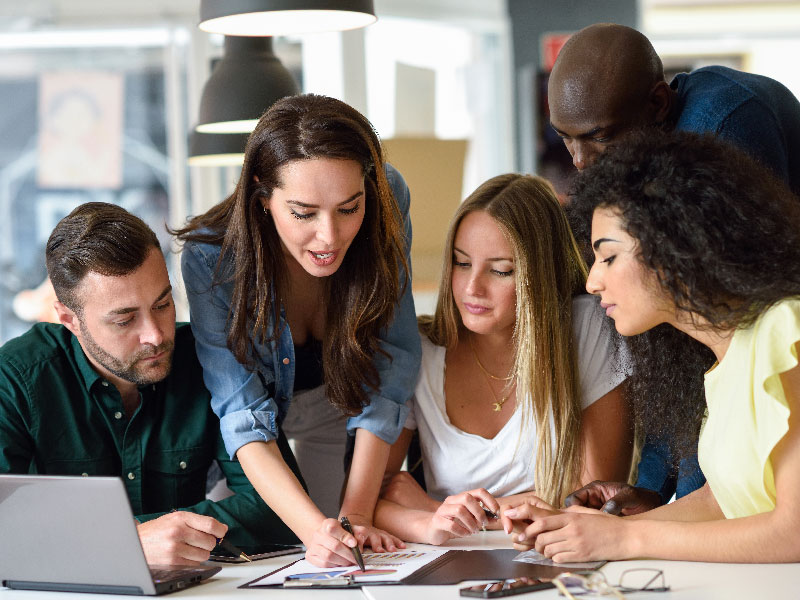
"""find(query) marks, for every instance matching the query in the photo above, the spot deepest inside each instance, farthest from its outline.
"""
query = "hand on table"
(180, 538)
(461, 515)
(614, 497)
(332, 546)
(515, 518)
(564, 536)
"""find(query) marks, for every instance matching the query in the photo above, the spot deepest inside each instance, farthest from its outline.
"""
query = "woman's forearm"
(366, 474)
(700, 505)
(607, 438)
(408, 524)
(279, 488)
(759, 538)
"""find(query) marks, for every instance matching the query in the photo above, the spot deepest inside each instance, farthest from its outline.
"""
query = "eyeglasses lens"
(639, 580)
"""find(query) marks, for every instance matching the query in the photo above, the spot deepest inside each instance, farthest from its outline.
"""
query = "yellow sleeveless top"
(747, 411)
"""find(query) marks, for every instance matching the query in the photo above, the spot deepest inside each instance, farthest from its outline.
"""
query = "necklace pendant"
(497, 406)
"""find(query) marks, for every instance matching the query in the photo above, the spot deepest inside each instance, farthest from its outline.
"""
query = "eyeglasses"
(595, 583)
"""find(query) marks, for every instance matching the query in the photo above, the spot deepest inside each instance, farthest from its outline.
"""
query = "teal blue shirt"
(58, 416)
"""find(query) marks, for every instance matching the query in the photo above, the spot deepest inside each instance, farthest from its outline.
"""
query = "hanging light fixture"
(216, 149)
(282, 17)
(245, 83)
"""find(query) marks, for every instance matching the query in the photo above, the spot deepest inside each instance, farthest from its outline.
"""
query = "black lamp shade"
(245, 83)
(281, 17)
(216, 149)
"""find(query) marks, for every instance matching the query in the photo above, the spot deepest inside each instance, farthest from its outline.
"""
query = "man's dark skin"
(606, 83)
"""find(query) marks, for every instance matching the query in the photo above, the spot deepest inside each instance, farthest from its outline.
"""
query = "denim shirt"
(656, 472)
(755, 113)
(251, 404)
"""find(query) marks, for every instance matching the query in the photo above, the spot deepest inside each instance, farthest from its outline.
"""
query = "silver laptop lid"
(70, 530)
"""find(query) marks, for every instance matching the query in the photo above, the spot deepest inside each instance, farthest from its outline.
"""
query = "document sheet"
(383, 567)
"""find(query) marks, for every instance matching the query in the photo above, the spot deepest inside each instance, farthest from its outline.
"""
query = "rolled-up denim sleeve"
(386, 413)
(240, 397)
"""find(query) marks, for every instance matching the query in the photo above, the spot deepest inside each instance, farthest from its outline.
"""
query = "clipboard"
(451, 568)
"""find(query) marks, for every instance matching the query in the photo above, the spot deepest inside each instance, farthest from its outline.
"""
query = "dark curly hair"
(722, 236)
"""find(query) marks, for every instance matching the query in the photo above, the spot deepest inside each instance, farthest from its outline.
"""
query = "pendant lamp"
(282, 17)
(216, 149)
(245, 83)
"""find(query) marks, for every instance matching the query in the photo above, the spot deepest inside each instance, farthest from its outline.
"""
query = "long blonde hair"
(549, 272)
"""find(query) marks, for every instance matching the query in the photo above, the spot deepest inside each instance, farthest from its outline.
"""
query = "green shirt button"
(182, 464)
(131, 476)
(117, 415)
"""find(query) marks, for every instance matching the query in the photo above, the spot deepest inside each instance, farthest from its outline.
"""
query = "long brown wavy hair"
(549, 272)
(360, 297)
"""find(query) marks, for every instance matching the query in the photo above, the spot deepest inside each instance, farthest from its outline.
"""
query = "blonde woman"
(514, 349)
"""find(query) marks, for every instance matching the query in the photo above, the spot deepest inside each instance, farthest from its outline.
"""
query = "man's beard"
(132, 370)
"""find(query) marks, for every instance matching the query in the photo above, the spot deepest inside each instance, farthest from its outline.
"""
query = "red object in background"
(551, 46)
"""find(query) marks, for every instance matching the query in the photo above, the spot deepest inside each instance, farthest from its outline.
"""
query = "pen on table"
(223, 543)
(356, 552)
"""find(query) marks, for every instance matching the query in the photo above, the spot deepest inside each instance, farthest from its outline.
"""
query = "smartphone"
(219, 554)
(507, 587)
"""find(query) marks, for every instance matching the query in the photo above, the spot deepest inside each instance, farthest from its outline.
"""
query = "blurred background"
(100, 99)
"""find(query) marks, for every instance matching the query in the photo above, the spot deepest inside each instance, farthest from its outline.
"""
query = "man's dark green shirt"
(58, 416)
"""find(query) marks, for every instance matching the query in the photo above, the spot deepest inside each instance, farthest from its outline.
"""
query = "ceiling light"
(216, 149)
(244, 84)
(283, 17)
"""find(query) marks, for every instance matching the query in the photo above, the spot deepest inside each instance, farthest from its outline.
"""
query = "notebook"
(78, 534)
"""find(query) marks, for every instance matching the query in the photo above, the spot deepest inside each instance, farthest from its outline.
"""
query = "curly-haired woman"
(691, 234)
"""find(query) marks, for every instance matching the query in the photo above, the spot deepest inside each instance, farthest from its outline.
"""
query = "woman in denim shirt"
(311, 248)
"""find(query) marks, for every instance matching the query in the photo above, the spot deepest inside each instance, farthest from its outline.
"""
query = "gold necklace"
(497, 405)
(477, 360)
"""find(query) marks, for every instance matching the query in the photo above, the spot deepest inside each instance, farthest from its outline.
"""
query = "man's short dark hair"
(99, 237)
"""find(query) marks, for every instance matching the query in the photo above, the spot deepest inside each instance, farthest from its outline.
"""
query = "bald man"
(608, 80)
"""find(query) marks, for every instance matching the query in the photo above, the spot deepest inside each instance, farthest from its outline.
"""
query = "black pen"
(489, 513)
(356, 552)
(223, 543)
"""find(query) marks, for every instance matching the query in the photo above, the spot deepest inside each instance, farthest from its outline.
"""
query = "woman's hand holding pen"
(368, 535)
(461, 515)
(332, 546)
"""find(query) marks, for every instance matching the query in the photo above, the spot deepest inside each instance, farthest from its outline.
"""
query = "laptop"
(78, 534)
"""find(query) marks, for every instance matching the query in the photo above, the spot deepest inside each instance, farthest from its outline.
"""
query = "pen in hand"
(356, 552)
(223, 543)
(489, 513)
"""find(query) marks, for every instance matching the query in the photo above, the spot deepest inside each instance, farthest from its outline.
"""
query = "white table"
(705, 581)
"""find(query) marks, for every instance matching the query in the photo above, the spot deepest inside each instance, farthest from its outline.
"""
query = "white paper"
(380, 567)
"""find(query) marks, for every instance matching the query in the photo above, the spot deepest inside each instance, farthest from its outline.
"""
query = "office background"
(100, 98)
